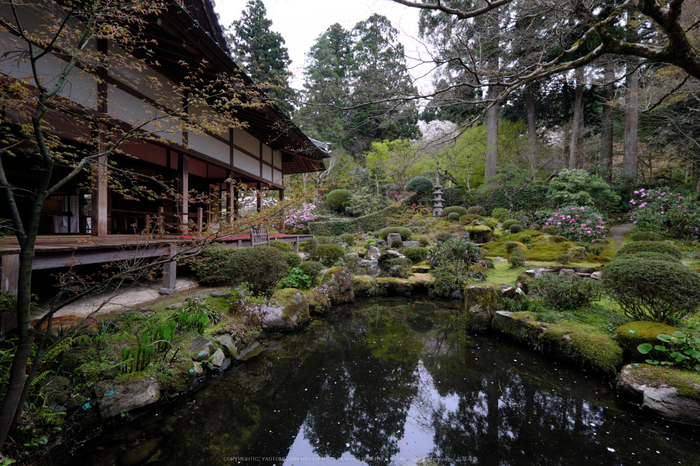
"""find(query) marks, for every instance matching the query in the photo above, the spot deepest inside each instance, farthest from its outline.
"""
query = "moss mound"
(635, 333)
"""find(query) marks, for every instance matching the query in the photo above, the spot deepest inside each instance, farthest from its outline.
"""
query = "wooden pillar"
(169, 275)
(259, 195)
(235, 203)
(183, 175)
(232, 203)
(281, 225)
(9, 274)
(100, 195)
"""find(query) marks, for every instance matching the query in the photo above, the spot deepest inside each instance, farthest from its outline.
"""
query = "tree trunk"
(566, 110)
(491, 136)
(606, 136)
(531, 130)
(575, 148)
(629, 163)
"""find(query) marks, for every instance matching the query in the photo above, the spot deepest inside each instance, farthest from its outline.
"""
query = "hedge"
(372, 222)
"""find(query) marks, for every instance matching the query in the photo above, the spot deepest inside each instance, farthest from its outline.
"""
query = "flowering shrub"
(577, 223)
(395, 193)
(243, 301)
(660, 209)
(298, 219)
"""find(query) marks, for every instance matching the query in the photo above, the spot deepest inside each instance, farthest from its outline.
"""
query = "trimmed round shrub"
(525, 239)
(514, 246)
(464, 219)
(551, 230)
(480, 233)
(458, 209)
(565, 292)
(444, 236)
(422, 188)
(403, 231)
(563, 259)
(489, 264)
(456, 250)
(508, 223)
(416, 254)
(282, 246)
(453, 216)
(293, 259)
(309, 246)
(644, 236)
(312, 269)
(492, 224)
(656, 290)
(396, 243)
(261, 267)
(557, 239)
(517, 259)
(329, 253)
(476, 210)
(647, 246)
(656, 256)
(348, 239)
(338, 199)
(516, 228)
(500, 214)
(424, 240)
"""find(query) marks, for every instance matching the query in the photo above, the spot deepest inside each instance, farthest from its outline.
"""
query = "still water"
(396, 382)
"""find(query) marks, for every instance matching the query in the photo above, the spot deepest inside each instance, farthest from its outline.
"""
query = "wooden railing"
(150, 222)
(259, 238)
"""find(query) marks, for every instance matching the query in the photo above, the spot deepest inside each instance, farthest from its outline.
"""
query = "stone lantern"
(437, 198)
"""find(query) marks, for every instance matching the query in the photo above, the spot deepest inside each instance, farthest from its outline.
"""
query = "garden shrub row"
(372, 222)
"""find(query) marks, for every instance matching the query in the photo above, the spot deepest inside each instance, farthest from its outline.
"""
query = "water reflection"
(393, 384)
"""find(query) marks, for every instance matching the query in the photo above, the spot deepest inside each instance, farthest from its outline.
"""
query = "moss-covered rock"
(672, 394)
(481, 304)
(288, 310)
(365, 286)
(579, 343)
(340, 287)
(319, 303)
(635, 333)
(479, 233)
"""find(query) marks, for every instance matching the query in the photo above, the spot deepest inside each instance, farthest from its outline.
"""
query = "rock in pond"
(288, 310)
(481, 304)
(671, 394)
(339, 280)
(114, 397)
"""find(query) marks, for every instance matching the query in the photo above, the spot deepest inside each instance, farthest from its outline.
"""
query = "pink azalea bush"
(299, 218)
(576, 223)
(660, 209)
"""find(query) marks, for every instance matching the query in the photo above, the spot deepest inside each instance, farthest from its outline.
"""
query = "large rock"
(227, 344)
(115, 397)
(372, 267)
(319, 302)
(373, 253)
(199, 349)
(481, 304)
(339, 281)
(288, 310)
(668, 393)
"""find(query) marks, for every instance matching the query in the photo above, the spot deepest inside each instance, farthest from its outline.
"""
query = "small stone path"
(618, 230)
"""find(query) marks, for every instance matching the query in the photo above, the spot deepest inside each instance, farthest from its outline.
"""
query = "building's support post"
(169, 275)
(9, 274)
(100, 194)
(259, 195)
(183, 174)
(232, 204)
(281, 225)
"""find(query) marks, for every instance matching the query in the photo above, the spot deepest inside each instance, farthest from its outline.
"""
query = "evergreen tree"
(262, 54)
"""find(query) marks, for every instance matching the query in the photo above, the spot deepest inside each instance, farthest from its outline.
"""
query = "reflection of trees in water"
(363, 403)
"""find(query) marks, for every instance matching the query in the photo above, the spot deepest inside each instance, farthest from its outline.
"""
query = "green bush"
(563, 259)
(557, 239)
(403, 231)
(444, 236)
(656, 256)
(517, 259)
(456, 250)
(512, 246)
(566, 292)
(365, 202)
(348, 239)
(312, 269)
(309, 246)
(329, 253)
(501, 214)
(552, 230)
(489, 264)
(647, 246)
(508, 223)
(476, 210)
(644, 236)
(492, 224)
(416, 254)
(453, 216)
(458, 209)
(424, 240)
(422, 188)
(338, 199)
(656, 290)
(296, 279)
(282, 246)
(261, 267)
(525, 239)
(516, 228)
(480, 233)
(453, 196)
(293, 259)
(578, 187)
(371, 222)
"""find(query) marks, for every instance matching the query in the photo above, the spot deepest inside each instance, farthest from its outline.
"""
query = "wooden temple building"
(87, 221)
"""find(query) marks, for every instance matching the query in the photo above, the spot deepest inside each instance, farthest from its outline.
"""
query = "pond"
(396, 382)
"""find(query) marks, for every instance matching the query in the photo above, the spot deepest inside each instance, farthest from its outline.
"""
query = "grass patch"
(502, 274)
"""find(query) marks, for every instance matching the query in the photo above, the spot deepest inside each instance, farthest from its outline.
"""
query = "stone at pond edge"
(221, 294)
(141, 453)
(288, 310)
(199, 349)
(319, 303)
(634, 334)
(227, 344)
(668, 393)
(218, 358)
(250, 352)
(126, 396)
(339, 280)
(481, 304)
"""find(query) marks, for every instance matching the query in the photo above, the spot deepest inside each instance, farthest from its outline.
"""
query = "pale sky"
(301, 22)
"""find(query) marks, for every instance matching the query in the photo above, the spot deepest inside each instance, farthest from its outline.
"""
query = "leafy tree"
(394, 160)
(578, 187)
(261, 52)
